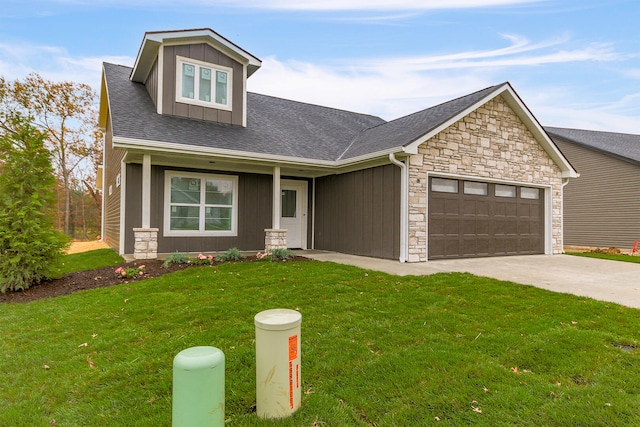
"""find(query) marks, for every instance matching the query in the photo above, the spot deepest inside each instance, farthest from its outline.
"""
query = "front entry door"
(294, 212)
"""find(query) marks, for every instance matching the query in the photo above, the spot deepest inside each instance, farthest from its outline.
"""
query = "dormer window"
(204, 84)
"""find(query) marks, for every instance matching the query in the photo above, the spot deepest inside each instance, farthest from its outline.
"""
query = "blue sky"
(575, 63)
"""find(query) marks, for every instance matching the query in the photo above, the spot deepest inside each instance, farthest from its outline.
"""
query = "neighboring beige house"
(602, 208)
(196, 163)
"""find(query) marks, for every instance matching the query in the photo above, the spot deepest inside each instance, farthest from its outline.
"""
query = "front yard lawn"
(447, 349)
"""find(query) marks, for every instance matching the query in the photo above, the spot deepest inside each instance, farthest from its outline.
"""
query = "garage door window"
(505, 190)
(442, 185)
(475, 188)
(529, 193)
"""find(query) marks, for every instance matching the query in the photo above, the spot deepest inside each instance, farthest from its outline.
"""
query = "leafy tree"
(66, 113)
(29, 244)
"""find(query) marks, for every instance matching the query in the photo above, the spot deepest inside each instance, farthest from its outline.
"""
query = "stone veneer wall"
(146, 243)
(491, 142)
(275, 239)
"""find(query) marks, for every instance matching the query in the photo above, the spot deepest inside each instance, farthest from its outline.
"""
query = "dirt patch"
(102, 277)
(77, 247)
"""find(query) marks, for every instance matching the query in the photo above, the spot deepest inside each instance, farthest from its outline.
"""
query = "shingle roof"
(622, 145)
(275, 126)
(403, 131)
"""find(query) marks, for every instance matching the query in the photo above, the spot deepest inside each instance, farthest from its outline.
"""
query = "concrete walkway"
(604, 280)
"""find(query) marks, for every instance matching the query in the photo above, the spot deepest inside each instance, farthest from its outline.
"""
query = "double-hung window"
(203, 84)
(200, 204)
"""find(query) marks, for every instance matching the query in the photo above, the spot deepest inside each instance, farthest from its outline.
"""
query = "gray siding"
(201, 52)
(602, 206)
(359, 212)
(112, 162)
(254, 213)
(152, 83)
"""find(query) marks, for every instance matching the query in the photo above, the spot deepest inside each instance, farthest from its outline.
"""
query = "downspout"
(565, 181)
(404, 207)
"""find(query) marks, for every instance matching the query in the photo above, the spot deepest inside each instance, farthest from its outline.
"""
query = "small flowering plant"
(202, 259)
(130, 272)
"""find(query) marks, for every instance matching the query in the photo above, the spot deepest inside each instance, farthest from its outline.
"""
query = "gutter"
(404, 206)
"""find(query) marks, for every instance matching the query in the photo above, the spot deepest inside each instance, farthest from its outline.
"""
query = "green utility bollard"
(198, 388)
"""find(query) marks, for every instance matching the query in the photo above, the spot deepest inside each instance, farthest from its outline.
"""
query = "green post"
(198, 388)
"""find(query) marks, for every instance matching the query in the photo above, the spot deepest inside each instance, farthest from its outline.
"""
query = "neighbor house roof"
(621, 145)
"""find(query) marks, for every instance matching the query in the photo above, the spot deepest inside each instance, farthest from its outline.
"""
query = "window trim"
(201, 232)
(180, 60)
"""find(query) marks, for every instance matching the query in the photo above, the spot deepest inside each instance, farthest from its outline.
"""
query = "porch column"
(277, 199)
(276, 238)
(146, 191)
(146, 238)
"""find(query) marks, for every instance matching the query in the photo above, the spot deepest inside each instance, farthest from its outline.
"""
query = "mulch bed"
(100, 278)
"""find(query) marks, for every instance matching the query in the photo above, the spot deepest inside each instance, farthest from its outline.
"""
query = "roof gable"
(153, 40)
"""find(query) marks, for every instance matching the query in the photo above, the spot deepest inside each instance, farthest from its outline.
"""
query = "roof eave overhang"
(514, 101)
(199, 151)
(152, 42)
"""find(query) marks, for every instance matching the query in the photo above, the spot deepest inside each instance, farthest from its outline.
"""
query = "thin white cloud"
(344, 5)
(392, 87)
(519, 53)
(319, 5)
(54, 63)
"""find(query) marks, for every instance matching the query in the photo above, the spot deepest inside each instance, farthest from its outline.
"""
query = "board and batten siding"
(151, 84)
(602, 206)
(254, 212)
(111, 191)
(359, 212)
(206, 53)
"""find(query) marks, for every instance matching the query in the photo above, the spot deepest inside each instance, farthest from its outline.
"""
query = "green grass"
(613, 257)
(376, 350)
(87, 261)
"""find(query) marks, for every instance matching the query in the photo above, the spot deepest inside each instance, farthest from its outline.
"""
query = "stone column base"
(146, 243)
(275, 239)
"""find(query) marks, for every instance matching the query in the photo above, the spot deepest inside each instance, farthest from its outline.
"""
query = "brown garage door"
(476, 219)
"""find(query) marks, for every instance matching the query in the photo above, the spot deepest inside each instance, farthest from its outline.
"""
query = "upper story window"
(203, 84)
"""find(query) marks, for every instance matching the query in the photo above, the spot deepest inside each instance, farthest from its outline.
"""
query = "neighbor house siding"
(254, 212)
(490, 142)
(206, 53)
(614, 184)
(359, 212)
(111, 190)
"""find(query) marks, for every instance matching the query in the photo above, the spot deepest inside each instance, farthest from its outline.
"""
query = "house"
(602, 208)
(194, 162)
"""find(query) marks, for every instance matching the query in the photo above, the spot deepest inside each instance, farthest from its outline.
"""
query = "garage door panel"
(498, 222)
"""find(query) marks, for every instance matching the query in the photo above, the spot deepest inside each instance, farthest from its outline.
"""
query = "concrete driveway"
(603, 280)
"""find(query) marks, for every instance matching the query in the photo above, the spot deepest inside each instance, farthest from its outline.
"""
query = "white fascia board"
(193, 150)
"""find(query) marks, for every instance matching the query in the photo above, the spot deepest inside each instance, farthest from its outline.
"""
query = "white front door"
(294, 212)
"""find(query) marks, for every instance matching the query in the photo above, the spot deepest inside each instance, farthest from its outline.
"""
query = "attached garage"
(480, 219)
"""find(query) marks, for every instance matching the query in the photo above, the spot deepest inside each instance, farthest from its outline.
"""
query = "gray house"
(194, 162)
(602, 208)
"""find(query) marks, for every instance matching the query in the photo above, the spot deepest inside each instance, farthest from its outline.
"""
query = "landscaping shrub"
(176, 258)
(29, 244)
(232, 254)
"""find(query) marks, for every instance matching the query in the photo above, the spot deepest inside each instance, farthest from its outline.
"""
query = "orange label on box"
(293, 347)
